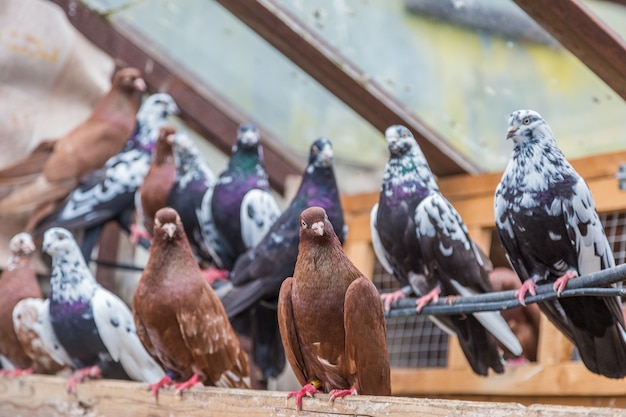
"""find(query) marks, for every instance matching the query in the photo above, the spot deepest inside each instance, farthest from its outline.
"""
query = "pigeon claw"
(306, 391)
(560, 283)
(431, 296)
(338, 393)
(528, 286)
(190, 383)
(166, 381)
(80, 375)
(391, 297)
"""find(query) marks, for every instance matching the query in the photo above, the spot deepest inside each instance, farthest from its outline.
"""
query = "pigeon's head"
(321, 154)
(399, 140)
(526, 126)
(167, 224)
(314, 225)
(129, 80)
(57, 241)
(183, 146)
(157, 106)
(21, 244)
(248, 136)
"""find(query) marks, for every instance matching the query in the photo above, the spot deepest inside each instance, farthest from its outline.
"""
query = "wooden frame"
(553, 378)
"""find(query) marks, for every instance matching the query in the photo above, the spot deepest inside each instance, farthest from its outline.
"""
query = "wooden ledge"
(38, 395)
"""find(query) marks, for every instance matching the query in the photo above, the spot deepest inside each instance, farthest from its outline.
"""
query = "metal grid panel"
(411, 341)
(614, 224)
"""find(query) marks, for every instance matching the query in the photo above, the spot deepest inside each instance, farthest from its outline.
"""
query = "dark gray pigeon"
(258, 274)
(550, 230)
(421, 239)
(108, 194)
(87, 327)
(243, 206)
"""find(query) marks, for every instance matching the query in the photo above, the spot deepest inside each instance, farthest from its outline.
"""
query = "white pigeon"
(95, 330)
(550, 230)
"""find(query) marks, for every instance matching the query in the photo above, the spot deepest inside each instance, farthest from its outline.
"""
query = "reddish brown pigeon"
(179, 318)
(153, 192)
(55, 168)
(331, 319)
(17, 282)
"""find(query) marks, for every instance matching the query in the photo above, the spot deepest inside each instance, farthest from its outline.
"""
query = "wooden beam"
(325, 64)
(37, 395)
(585, 35)
(209, 114)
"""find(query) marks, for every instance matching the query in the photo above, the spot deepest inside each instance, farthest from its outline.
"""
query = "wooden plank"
(552, 347)
(325, 64)
(205, 111)
(585, 35)
(36, 395)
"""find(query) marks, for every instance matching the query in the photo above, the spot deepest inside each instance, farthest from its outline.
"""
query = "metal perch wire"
(588, 285)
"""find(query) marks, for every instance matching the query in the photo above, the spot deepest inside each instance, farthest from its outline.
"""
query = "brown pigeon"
(179, 318)
(17, 282)
(55, 168)
(153, 192)
(331, 319)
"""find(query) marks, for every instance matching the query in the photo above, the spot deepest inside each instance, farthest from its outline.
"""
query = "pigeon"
(191, 196)
(17, 282)
(243, 188)
(180, 319)
(256, 278)
(56, 167)
(421, 239)
(30, 333)
(94, 328)
(108, 193)
(153, 192)
(549, 228)
(331, 320)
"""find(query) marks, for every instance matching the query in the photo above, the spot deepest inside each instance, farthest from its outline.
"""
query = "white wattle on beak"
(169, 228)
(318, 228)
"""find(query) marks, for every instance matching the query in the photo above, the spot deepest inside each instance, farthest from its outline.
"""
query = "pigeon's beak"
(140, 84)
(318, 228)
(170, 139)
(511, 132)
(169, 228)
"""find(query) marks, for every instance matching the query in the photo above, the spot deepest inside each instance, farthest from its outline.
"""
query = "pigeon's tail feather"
(598, 334)
(480, 347)
(39, 192)
(240, 298)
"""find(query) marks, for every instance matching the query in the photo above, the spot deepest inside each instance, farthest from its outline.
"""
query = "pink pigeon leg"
(560, 283)
(190, 383)
(391, 297)
(137, 233)
(338, 393)
(308, 390)
(213, 274)
(80, 375)
(166, 381)
(528, 286)
(432, 295)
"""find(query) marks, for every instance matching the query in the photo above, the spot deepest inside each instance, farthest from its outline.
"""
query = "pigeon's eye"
(315, 149)
(302, 223)
(526, 120)
(61, 237)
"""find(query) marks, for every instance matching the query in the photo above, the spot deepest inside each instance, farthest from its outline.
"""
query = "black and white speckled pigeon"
(550, 230)
(243, 189)
(421, 239)
(259, 273)
(191, 196)
(93, 326)
(108, 193)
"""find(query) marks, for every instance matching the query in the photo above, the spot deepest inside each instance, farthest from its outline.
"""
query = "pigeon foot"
(528, 286)
(214, 274)
(391, 297)
(190, 383)
(433, 295)
(16, 372)
(166, 381)
(559, 284)
(308, 390)
(338, 393)
(80, 375)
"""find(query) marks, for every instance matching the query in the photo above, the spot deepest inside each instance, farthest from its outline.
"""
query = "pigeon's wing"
(460, 264)
(29, 331)
(27, 169)
(379, 249)
(258, 212)
(366, 339)
(116, 328)
(49, 339)
(289, 334)
(211, 239)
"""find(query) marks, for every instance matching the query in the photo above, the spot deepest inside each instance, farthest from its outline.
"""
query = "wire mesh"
(414, 341)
